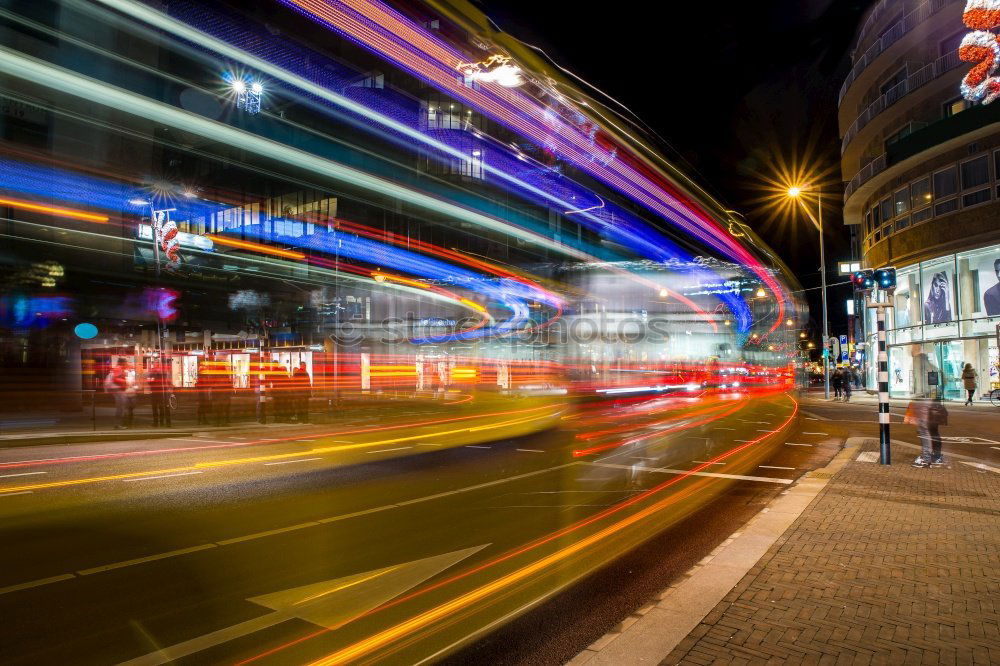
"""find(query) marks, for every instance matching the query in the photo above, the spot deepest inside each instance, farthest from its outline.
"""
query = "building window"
(878, 235)
(902, 223)
(975, 173)
(886, 230)
(868, 222)
(951, 43)
(956, 105)
(946, 183)
(886, 207)
(946, 207)
(921, 215)
(901, 201)
(876, 218)
(893, 81)
(920, 193)
(975, 198)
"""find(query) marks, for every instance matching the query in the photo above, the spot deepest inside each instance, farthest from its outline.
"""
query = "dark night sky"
(733, 87)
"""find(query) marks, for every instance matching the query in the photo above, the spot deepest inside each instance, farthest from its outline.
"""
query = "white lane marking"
(868, 457)
(773, 467)
(723, 428)
(995, 447)
(765, 431)
(161, 476)
(705, 462)
(257, 535)
(20, 492)
(148, 558)
(35, 583)
(718, 475)
(742, 440)
(981, 466)
(474, 446)
(288, 462)
(530, 450)
(398, 448)
(641, 458)
(6, 476)
(814, 433)
(794, 444)
(211, 441)
(427, 444)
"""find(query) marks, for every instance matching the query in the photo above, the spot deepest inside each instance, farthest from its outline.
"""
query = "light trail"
(428, 618)
(335, 433)
(53, 210)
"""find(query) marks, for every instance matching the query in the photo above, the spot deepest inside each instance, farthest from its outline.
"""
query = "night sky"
(735, 89)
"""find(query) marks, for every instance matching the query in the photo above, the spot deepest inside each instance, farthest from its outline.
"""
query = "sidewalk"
(857, 563)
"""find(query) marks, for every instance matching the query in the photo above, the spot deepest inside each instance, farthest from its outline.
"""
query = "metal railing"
(924, 75)
(890, 37)
(867, 172)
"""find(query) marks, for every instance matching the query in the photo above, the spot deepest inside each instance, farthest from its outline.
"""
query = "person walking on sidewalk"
(969, 378)
(928, 416)
(117, 383)
(848, 384)
(838, 382)
(160, 386)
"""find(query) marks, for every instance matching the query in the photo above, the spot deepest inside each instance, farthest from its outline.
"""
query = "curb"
(83, 438)
(650, 634)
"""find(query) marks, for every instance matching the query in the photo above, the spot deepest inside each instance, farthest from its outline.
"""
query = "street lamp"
(795, 192)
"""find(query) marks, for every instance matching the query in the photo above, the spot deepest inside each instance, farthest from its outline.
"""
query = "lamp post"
(795, 193)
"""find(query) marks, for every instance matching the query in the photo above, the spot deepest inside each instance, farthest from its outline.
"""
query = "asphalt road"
(393, 541)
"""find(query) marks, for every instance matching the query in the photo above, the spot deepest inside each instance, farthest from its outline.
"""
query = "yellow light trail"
(276, 456)
(429, 617)
(53, 210)
(255, 247)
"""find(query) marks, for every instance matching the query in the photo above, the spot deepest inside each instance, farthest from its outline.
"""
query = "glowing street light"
(761, 293)
(248, 93)
(795, 192)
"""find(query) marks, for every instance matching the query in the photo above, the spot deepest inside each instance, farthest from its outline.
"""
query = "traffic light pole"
(883, 379)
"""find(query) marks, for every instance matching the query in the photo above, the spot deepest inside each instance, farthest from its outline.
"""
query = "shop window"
(901, 201)
(946, 183)
(975, 173)
(975, 198)
(921, 215)
(886, 207)
(920, 192)
(946, 207)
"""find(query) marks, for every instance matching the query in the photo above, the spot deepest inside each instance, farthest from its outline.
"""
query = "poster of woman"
(937, 300)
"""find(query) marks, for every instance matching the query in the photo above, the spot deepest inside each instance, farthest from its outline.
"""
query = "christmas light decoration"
(980, 46)
(495, 69)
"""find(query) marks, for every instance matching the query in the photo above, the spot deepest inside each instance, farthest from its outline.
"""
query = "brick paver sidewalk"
(887, 565)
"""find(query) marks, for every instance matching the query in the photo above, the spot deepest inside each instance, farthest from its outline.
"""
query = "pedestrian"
(300, 381)
(222, 393)
(928, 416)
(159, 396)
(848, 384)
(838, 382)
(969, 378)
(116, 383)
(203, 388)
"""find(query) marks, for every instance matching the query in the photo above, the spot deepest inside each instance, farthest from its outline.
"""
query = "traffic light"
(865, 280)
(885, 278)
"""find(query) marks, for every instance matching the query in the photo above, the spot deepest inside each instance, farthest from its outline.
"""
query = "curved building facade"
(921, 166)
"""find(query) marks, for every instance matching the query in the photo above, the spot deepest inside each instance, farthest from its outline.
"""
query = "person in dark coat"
(928, 416)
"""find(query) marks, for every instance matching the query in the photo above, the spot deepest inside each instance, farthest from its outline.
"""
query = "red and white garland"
(166, 237)
(981, 47)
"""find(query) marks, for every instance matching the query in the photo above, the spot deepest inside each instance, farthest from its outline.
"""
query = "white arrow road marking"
(329, 604)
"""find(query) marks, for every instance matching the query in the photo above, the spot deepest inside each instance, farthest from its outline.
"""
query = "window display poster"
(939, 301)
(989, 283)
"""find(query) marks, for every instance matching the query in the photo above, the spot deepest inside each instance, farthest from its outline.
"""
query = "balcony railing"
(890, 37)
(925, 74)
(867, 172)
